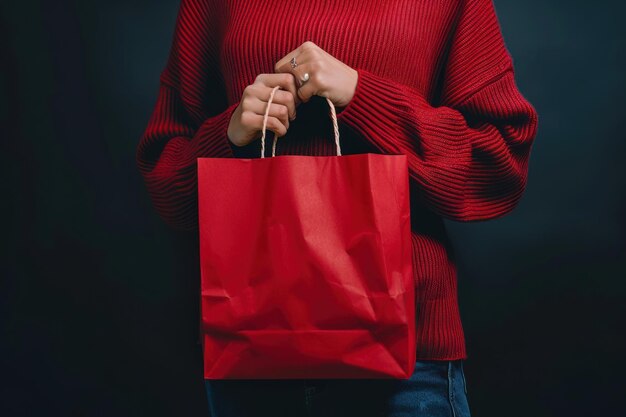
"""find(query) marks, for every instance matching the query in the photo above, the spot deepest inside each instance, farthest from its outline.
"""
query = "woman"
(432, 80)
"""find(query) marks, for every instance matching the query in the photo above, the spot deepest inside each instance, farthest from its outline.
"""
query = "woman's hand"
(328, 76)
(246, 121)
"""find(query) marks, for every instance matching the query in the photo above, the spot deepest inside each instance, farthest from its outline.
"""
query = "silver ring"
(305, 77)
(293, 62)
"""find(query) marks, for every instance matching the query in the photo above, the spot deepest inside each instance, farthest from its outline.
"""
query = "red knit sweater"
(435, 82)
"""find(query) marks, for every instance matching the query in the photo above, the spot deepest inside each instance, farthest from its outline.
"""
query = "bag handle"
(265, 116)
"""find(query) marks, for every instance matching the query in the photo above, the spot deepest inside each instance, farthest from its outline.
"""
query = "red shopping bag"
(306, 266)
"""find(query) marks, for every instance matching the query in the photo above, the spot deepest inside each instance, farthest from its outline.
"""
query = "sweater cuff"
(375, 107)
(214, 134)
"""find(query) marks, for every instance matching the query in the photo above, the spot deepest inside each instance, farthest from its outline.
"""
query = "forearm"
(469, 161)
(167, 155)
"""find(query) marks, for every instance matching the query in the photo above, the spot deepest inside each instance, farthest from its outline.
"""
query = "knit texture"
(435, 82)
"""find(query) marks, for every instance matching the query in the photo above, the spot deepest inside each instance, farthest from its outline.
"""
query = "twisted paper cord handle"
(265, 116)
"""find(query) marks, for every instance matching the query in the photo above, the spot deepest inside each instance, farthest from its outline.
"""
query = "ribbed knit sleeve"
(190, 118)
(468, 154)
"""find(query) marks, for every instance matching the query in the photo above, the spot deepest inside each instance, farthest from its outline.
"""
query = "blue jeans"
(435, 389)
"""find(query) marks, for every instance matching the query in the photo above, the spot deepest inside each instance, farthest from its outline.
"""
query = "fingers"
(310, 87)
(276, 110)
(248, 122)
(301, 53)
(283, 98)
(255, 120)
(286, 82)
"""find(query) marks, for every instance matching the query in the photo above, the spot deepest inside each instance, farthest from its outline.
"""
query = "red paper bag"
(306, 266)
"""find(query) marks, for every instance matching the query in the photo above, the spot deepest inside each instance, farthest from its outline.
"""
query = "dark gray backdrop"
(99, 299)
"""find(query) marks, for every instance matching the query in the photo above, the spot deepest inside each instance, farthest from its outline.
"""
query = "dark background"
(99, 302)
